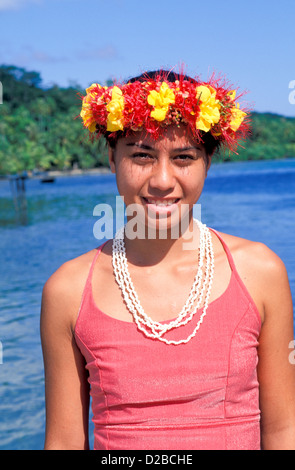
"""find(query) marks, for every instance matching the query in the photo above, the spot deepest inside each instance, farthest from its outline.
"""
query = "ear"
(208, 162)
(112, 159)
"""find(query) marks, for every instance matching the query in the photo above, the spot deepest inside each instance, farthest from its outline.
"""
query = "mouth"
(161, 205)
(161, 202)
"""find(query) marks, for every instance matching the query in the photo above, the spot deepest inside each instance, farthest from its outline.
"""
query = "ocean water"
(254, 200)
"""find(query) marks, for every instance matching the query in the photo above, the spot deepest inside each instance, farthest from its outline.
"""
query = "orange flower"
(86, 113)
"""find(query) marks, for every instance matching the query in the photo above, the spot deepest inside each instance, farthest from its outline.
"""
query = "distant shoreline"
(74, 172)
(39, 175)
(58, 173)
(106, 170)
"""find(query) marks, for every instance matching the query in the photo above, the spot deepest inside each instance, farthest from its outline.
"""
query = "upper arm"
(276, 372)
(66, 386)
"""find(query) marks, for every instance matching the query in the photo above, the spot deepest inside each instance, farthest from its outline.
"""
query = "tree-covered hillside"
(40, 130)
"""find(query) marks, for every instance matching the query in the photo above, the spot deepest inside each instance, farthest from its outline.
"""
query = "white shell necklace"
(200, 288)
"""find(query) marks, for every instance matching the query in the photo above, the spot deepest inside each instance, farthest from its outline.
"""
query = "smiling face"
(162, 176)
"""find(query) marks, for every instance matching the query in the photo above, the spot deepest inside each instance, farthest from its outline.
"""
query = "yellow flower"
(209, 108)
(237, 117)
(89, 90)
(87, 116)
(232, 94)
(115, 109)
(161, 101)
(86, 112)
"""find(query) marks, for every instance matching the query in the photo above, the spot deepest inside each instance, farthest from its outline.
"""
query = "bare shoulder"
(71, 273)
(254, 255)
(261, 269)
(62, 292)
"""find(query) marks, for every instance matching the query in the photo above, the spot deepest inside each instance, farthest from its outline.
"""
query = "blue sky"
(83, 41)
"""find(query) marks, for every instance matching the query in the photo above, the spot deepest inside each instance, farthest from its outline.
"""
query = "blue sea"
(254, 200)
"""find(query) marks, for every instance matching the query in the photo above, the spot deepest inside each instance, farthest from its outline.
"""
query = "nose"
(163, 178)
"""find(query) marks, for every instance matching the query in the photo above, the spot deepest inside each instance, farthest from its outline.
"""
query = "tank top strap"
(90, 273)
(226, 249)
(88, 286)
(237, 276)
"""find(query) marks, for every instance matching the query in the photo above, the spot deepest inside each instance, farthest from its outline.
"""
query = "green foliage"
(40, 129)
(272, 137)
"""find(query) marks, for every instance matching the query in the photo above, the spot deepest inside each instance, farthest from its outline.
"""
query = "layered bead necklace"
(200, 290)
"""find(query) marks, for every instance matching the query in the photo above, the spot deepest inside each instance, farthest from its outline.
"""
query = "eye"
(184, 158)
(142, 157)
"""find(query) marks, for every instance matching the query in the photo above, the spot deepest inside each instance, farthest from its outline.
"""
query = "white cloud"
(33, 55)
(101, 53)
(15, 4)
(28, 56)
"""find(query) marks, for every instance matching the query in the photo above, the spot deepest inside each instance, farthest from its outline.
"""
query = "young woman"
(183, 341)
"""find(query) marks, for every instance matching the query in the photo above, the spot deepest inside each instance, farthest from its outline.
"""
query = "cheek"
(195, 192)
(128, 179)
(193, 182)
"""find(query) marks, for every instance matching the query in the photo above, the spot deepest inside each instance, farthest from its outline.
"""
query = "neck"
(150, 251)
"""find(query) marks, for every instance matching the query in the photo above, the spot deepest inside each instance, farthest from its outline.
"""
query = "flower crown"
(155, 103)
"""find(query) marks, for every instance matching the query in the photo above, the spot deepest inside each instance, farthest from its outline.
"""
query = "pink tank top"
(149, 395)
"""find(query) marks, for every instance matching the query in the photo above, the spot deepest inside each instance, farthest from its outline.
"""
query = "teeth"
(161, 203)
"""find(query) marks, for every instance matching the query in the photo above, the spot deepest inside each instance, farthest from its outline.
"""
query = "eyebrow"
(185, 149)
(148, 147)
(142, 146)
